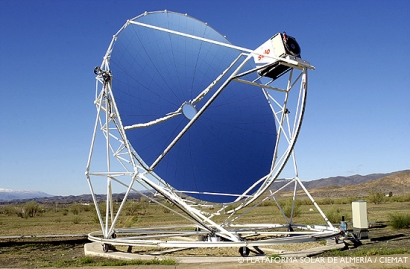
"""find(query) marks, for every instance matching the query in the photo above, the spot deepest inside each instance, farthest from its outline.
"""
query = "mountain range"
(340, 186)
(6, 194)
(397, 183)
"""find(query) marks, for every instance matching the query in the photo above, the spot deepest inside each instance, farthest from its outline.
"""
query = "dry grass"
(67, 219)
(64, 221)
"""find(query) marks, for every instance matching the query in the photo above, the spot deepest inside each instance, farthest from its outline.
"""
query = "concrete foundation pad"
(96, 249)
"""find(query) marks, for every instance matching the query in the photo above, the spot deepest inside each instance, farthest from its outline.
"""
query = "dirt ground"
(33, 254)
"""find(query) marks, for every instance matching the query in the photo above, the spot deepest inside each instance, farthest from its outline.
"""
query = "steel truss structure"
(125, 169)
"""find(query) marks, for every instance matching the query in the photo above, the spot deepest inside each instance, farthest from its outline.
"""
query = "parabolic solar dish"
(157, 79)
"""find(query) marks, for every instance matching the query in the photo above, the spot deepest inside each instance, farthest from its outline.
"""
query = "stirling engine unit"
(278, 55)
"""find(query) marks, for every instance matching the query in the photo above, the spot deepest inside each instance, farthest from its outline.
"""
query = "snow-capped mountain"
(7, 194)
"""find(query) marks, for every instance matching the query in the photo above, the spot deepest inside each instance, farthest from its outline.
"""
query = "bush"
(268, 203)
(406, 198)
(401, 198)
(135, 208)
(77, 208)
(130, 221)
(288, 201)
(29, 209)
(9, 210)
(76, 220)
(376, 197)
(305, 202)
(348, 200)
(32, 208)
(334, 215)
(287, 208)
(101, 207)
(95, 218)
(326, 201)
(399, 221)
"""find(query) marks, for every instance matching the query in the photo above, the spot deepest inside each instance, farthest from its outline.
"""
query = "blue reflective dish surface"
(230, 146)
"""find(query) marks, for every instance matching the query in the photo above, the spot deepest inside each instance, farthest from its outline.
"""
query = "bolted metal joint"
(106, 75)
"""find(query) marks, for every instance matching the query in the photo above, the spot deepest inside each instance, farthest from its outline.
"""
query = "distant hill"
(6, 194)
(356, 185)
(84, 198)
(343, 181)
(334, 182)
(398, 183)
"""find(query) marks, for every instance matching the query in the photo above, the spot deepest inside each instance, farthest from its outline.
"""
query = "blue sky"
(357, 119)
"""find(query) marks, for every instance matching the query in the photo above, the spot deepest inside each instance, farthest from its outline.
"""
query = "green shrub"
(288, 201)
(288, 211)
(305, 202)
(334, 215)
(101, 207)
(31, 209)
(399, 221)
(76, 220)
(326, 201)
(76, 208)
(65, 211)
(9, 210)
(396, 199)
(268, 203)
(287, 208)
(348, 200)
(130, 221)
(376, 197)
(406, 198)
(135, 208)
(95, 218)
(400, 198)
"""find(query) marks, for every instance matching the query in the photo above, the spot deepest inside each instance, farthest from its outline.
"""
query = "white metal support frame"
(125, 168)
